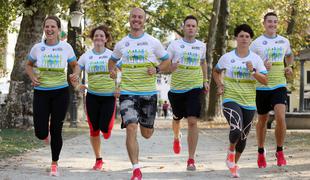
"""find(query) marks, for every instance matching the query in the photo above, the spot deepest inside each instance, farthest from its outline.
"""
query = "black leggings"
(50, 106)
(240, 121)
(100, 112)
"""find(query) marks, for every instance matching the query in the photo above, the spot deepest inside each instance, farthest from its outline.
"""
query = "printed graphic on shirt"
(138, 54)
(51, 64)
(189, 56)
(96, 66)
(238, 81)
(273, 50)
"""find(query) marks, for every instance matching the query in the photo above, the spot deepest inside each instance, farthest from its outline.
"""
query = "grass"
(17, 141)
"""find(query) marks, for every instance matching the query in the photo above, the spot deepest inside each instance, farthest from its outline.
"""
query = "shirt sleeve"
(260, 67)
(82, 61)
(160, 51)
(203, 56)
(117, 54)
(288, 50)
(221, 64)
(171, 51)
(71, 55)
(32, 56)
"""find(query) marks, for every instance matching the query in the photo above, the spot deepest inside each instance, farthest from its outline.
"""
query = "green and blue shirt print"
(50, 64)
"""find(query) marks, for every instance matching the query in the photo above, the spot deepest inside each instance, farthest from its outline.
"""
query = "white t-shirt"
(273, 50)
(96, 67)
(189, 56)
(238, 82)
(51, 64)
(137, 55)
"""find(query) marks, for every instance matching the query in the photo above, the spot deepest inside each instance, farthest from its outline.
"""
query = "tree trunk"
(18, 109)
(210, 47)
(291, 23)
(220, 48)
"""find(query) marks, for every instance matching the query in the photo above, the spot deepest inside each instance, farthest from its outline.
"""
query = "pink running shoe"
(230, 159)
(280, 158)
(234, 171)
(177, 146)
(54, 170)
(261, 160)
(191, 165)
(98, 165)
(136, 174)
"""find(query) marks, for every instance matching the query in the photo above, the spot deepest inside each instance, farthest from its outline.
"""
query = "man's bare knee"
(146, 132)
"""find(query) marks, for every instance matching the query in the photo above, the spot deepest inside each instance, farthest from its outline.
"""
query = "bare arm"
(29, 70)
(218, 78)
(112, 68)
(289, 60)
(204, 68)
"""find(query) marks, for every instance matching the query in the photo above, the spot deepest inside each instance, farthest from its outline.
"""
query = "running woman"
(277, 55)
(100, 100)
(139, 52)
(242, 69)
(188, 79)
(46, 68)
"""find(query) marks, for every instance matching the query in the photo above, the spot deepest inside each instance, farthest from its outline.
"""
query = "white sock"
(135, 166)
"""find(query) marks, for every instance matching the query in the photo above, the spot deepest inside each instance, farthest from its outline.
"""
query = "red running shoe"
(136, 174)
(191, 165)
(54, 170)
(177, 146)
(280, 158)
(98, 165)
(261, 160)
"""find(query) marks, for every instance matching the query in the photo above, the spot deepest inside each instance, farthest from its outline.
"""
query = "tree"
(210, 48)
(220, 49)
(18, 109)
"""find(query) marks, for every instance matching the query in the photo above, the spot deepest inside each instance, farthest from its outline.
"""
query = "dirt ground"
(158, 159)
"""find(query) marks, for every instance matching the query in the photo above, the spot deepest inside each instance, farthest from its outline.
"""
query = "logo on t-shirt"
(90, 57)
(57, 49)
(265, 42)
(196, 47)
(127, 44)
(280, 42)
(233, 60)
(42, 48)
(142, 44)
(182, 46)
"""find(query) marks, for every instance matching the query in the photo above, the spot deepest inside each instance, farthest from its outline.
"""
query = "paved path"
(157, 159)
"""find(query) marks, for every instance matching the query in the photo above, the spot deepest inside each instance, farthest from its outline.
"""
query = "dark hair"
(190, 17)
(270, 14)
(55, 18)
(103, 28)
(245, 28)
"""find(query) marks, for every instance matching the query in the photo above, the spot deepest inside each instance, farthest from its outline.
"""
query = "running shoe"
(177, 146)
(230, 159)
(261, 160)
(191, 165)
(280, 158)
(98, 165)
(234, 171)
(54, 170)
(136, 174)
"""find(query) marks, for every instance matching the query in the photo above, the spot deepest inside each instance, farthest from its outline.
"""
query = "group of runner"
(256, 70)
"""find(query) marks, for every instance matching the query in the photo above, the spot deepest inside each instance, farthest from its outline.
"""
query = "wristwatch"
(253, 71)
(157, 69)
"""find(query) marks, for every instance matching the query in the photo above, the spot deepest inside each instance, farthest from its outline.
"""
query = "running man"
(189, 77)
(242, 69)
(100, 100)
(277, 55)
(138, 101)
